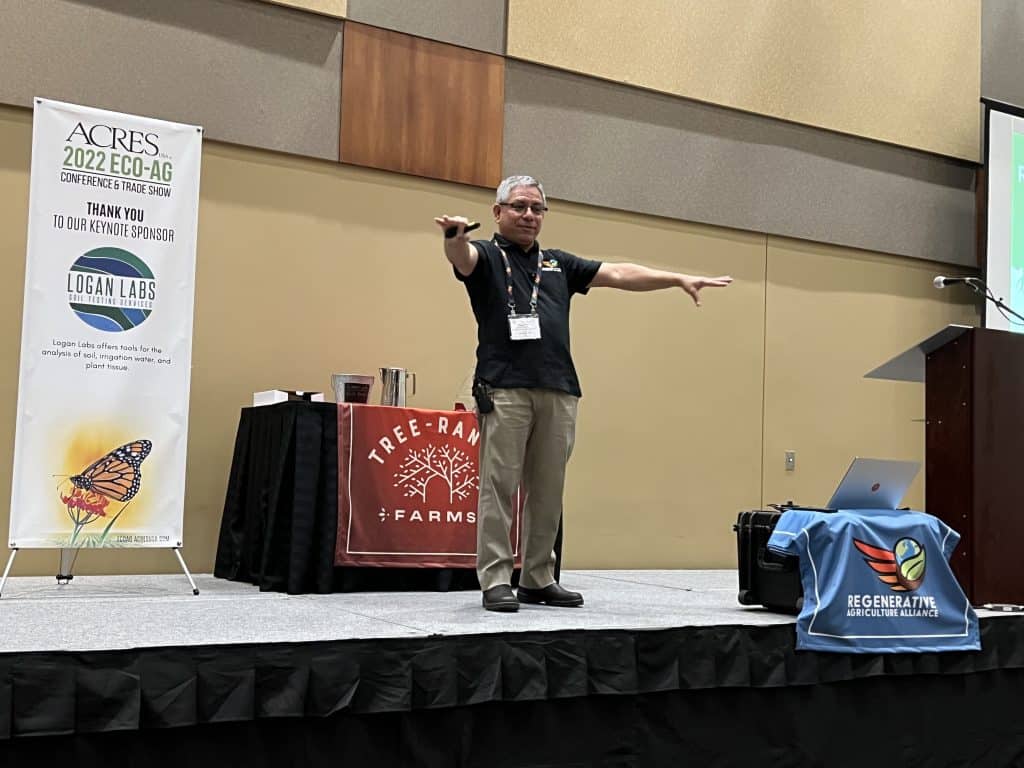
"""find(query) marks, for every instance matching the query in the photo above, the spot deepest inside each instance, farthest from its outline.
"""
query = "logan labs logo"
(111, 289)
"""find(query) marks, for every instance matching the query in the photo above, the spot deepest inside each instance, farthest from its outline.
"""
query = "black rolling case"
(766, 578)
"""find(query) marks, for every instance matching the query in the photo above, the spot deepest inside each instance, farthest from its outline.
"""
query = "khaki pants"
(527, 439)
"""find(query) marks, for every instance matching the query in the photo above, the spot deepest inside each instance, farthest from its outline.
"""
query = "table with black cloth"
(280, 519)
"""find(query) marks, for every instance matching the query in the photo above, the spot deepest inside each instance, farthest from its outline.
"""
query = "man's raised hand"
(694, 285)
(461, 225)
(457, 248)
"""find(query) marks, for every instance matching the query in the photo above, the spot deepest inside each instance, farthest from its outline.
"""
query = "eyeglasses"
(520, 208)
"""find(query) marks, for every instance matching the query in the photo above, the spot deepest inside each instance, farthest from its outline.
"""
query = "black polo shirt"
(545, 362)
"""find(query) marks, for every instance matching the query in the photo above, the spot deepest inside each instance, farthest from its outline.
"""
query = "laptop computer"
(874, 484)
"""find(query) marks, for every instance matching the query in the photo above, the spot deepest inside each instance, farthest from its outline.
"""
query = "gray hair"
(506, 187)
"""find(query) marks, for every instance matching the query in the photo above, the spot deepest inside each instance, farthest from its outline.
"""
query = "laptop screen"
(874, 484)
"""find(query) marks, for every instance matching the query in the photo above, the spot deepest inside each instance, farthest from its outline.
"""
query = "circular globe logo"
(910, 561)
(111, 289)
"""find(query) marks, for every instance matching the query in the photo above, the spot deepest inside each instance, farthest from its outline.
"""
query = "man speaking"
(525, 382)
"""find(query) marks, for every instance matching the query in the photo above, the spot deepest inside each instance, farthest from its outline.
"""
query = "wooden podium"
(974, 448)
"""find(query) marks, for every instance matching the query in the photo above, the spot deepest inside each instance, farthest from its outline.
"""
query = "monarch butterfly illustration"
(117, 475)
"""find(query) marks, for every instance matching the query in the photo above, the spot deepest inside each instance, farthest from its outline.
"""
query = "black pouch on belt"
(482, 395)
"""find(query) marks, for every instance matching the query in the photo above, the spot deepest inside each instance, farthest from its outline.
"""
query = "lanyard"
(508, 281)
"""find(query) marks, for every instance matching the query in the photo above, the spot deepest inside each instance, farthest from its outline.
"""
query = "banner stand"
(181, 562)
(7, 570)
(65, 576)
(66, 564)
(106, 348)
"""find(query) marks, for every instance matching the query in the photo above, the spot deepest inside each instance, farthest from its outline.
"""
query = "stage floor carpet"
(94, 613)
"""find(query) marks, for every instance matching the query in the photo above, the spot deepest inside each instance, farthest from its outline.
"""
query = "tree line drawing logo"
(111, 289)
(450, 471)
(453, 468)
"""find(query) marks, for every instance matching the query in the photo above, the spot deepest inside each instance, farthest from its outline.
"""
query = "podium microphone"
(978, 286)
(941, 282)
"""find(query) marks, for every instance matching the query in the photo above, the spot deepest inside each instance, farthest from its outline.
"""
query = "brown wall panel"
(421, 107)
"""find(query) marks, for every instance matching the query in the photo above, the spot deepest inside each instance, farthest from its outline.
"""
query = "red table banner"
(407, 488)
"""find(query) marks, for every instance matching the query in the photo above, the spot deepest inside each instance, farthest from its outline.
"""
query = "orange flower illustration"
(83, 508)
(88, 501)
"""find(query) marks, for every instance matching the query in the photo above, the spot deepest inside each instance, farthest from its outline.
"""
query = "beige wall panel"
(901, 72)
(15, 151)
(669, 440)
(669, 431)
(350, 263)
(832, 315)
(337, 8)
(303, 269)
(249, 73)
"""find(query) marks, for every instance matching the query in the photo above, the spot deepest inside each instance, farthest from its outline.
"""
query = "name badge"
(524, 327)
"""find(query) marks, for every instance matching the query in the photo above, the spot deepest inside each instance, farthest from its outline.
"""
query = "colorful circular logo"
(910, 559)
(111, 289)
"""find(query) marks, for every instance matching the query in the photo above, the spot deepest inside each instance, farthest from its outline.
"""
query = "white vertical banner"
(106, 341)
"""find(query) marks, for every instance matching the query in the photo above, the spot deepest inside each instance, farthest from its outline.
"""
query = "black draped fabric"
(280, 512)
(723, 695)
(932, 721)
(280, 516)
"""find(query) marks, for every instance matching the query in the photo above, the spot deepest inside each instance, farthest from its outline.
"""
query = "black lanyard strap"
(508, 281)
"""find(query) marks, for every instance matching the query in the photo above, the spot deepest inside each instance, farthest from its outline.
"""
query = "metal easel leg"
(177, 552)
(66, 565)
(7, 570)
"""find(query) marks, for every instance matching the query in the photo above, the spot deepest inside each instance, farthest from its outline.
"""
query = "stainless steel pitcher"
(393, 387)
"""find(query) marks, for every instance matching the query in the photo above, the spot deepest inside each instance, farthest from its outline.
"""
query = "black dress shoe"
(553, 594)
(500, 598)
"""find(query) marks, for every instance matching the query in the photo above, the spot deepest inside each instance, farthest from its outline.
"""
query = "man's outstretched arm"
(635, 277)
(458, 249)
